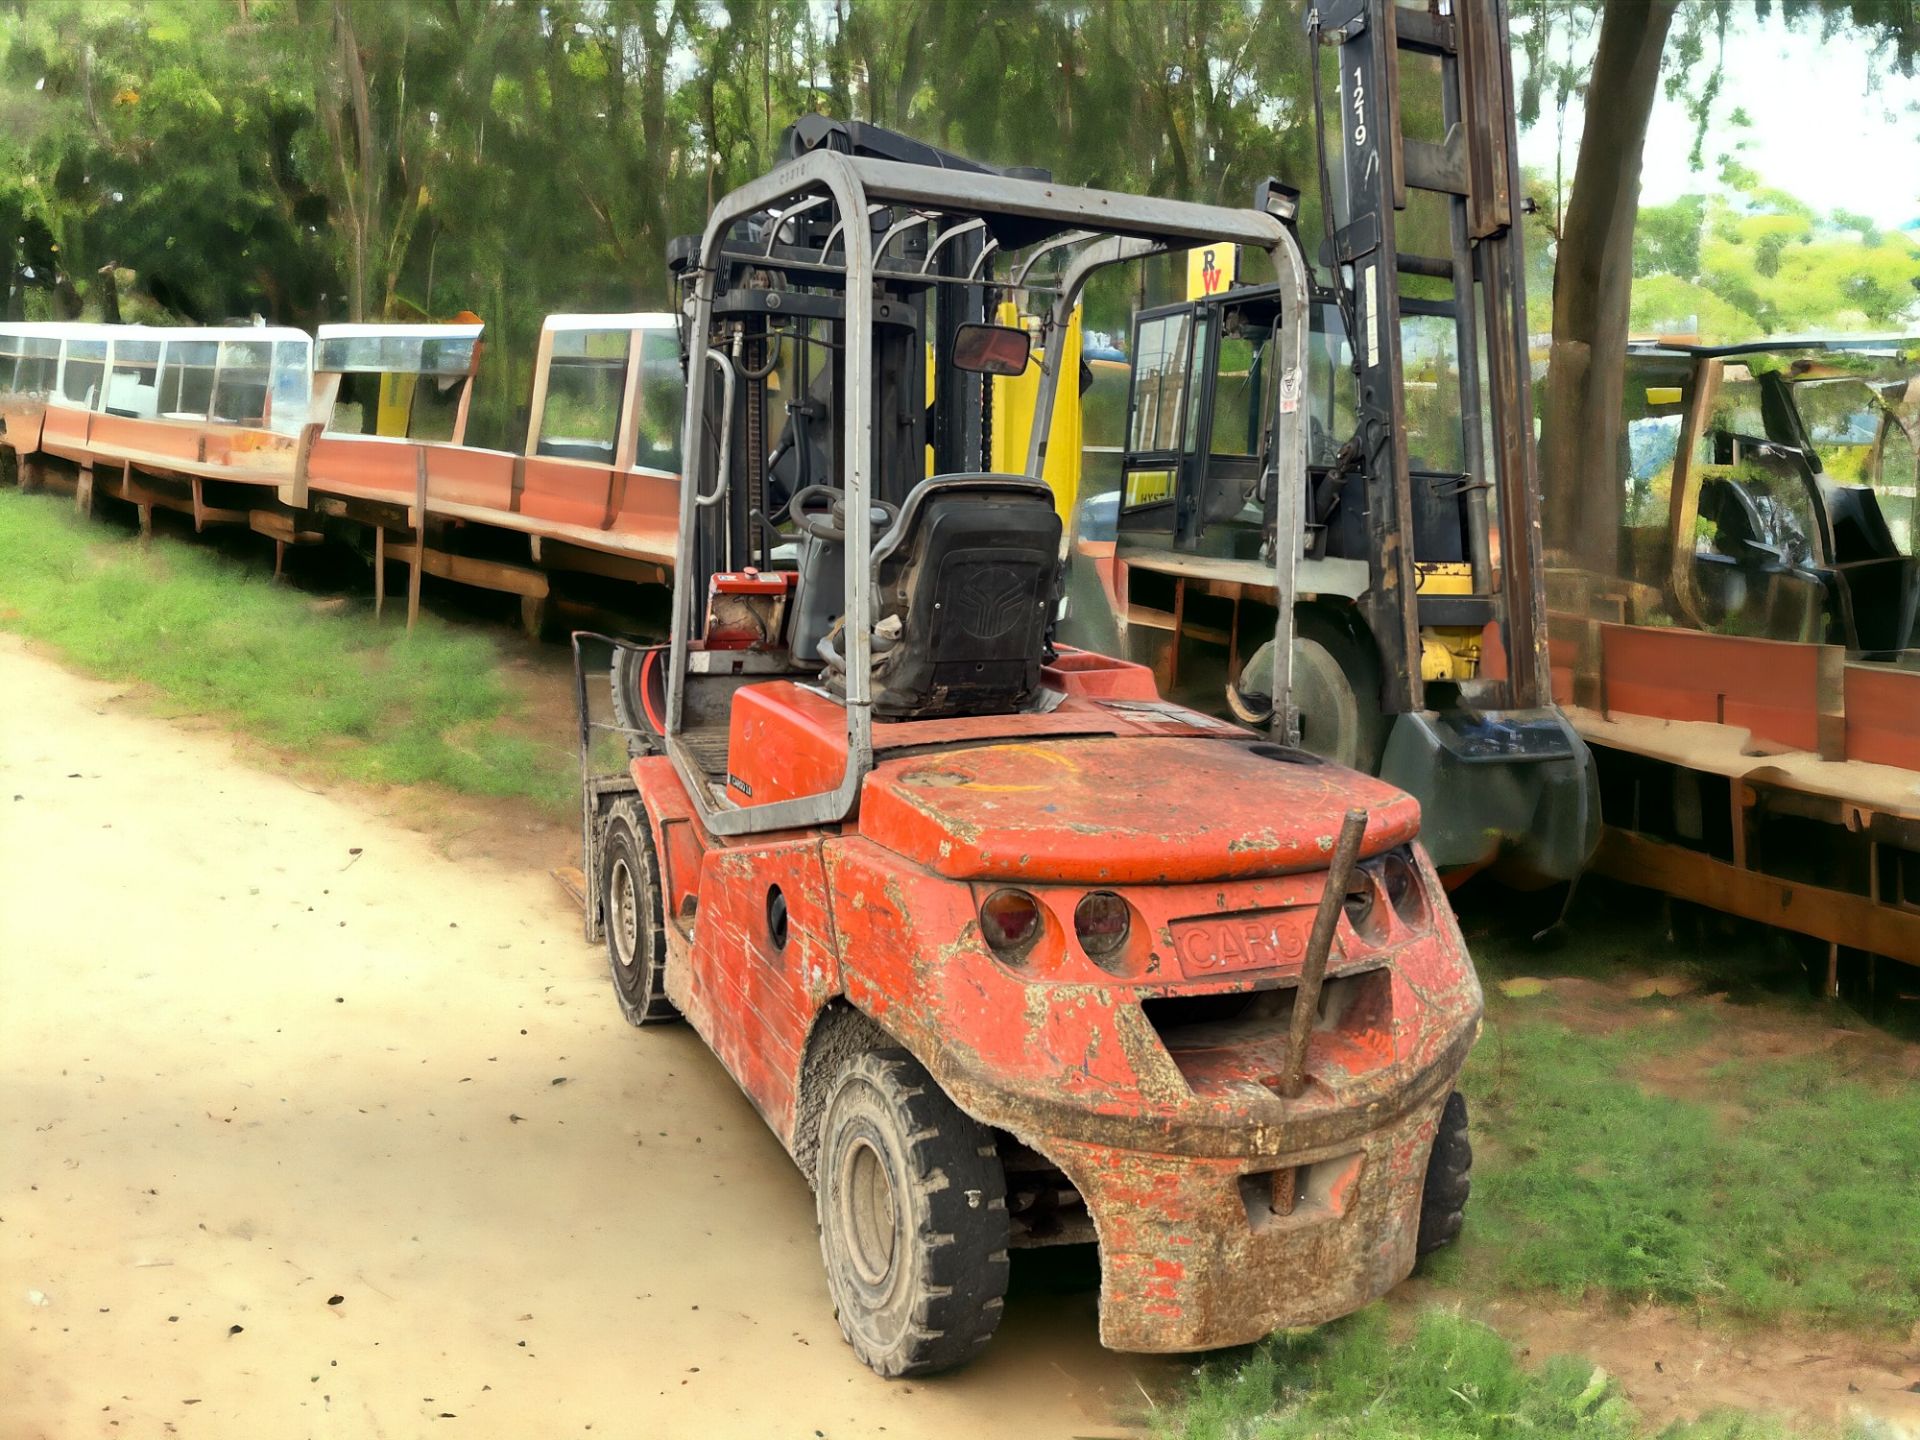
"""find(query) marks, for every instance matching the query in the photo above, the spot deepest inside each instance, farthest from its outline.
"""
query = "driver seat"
(965, 584)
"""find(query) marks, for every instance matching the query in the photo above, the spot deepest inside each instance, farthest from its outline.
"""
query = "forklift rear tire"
(636, 931)
(1443, 1203)
(912, 1203)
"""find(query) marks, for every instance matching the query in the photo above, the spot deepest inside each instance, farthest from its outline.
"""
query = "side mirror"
(991, 349)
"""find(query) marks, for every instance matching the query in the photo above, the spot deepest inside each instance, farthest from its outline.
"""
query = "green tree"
(146, 140)
(1595, 235)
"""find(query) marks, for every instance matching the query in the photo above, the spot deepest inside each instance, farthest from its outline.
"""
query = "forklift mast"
(1405, 566)
(1436, 516)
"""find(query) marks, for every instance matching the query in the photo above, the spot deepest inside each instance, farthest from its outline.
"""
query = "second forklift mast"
(1418, 637)
(1438, 517)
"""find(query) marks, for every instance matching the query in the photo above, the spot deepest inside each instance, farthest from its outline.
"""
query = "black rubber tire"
(631, 916)
(1443, 1201)
(912, 1203)
(1336, 689)
(1346, 640)
(624, 678)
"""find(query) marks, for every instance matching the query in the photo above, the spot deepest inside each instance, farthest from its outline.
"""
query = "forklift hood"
(1124, 810)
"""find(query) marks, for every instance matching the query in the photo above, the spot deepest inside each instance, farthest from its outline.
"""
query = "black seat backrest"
(965, 584)
(1730, 511)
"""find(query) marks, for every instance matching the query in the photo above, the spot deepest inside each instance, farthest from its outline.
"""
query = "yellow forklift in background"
(1419, 645)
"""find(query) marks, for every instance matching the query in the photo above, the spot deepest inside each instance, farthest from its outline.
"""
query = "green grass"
(1636, 1164)
(212, 637)
(1451, 1379)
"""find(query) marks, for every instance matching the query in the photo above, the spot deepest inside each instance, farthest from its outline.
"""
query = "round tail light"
(1102, 920)
(1010, 923)
(1369, 921)
(1404, 892)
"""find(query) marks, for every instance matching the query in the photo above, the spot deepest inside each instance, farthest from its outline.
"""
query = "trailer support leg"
(413, 575)
(379, 570)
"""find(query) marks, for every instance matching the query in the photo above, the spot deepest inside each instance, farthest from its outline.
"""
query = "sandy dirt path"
(306, 1130)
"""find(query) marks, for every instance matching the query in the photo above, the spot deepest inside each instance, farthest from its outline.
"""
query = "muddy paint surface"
(303, 1141)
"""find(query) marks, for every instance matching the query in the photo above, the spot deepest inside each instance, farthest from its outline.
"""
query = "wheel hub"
(871, 1219)
(626, 913)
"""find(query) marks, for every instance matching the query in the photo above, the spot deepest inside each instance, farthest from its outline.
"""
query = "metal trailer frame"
(1771, 779)
(599, 519)
(576, 516)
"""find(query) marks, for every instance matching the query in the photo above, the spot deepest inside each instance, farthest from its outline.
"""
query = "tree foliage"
(313, 160)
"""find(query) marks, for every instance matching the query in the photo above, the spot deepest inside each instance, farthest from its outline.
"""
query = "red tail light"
(1010, 923)
(1102, 920)
(1404, 891)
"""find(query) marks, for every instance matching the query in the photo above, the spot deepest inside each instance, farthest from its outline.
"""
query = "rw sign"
(1211, 269)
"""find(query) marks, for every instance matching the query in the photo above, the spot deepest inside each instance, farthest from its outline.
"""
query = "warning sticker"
(1370, 287)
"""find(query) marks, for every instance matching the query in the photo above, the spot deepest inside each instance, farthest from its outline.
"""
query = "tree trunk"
(13, 290)
(1593, 282)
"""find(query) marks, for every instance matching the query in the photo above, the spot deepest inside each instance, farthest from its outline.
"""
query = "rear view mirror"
(991, 349)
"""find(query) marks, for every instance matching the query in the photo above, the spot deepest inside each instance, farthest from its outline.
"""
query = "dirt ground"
(309, 1129)
(1673, 1364)
(316, 1119)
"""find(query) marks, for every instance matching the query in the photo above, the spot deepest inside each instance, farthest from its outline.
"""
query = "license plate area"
(1267, 940)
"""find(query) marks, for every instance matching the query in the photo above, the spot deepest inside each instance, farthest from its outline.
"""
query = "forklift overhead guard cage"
(1112, 229)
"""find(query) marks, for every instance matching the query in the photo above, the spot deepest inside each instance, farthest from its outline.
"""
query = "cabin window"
(447, 355)
(1430, 360)
(436, 404)
(187, 372)
(663, 403)
(241, 382)
(1331, 414)
(586, 385)
(1896, 481)
(1160, 382)
(292, 396)
(133, 388)
(84, 372)
(28, 363)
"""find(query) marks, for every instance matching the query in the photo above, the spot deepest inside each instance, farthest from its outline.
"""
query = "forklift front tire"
(629, 675)
(1443, 1203)
(913, 1218)
(636, 931)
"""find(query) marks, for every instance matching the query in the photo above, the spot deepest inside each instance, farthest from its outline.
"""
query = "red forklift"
(1006, 949)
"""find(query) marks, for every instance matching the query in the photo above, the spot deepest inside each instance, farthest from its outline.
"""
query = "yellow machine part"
(396, 405)
(1014, 398)
(1447, 652)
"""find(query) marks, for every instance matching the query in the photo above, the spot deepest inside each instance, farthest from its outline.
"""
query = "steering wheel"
(821, 511)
